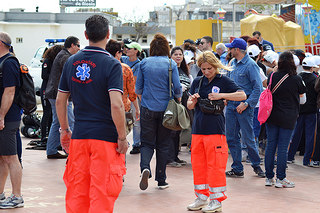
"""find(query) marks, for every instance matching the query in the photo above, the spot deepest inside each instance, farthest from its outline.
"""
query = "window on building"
(119, 37)
(133, 37)
(19, 40)
(144, 39)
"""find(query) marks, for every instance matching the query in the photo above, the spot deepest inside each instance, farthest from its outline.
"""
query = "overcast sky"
(126, 8)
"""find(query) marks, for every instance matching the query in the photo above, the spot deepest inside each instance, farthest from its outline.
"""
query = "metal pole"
(311, 42)
(233, 18)
(245, 6)
(218, 29)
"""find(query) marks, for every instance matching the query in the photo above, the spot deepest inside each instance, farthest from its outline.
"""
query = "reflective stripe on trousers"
(209, 155)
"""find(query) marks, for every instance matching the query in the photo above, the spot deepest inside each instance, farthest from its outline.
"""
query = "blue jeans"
(277, 137)
(235, 122)
(256, 123)
(307, 123)
(136, 127)
(154, 136)
(53, 141)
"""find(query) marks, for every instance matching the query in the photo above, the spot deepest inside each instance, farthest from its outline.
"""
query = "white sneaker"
(12, 202)
(213, 206)
(2, 197)
(197, 204)
(269, 182)
(285, 183)
(315, 164)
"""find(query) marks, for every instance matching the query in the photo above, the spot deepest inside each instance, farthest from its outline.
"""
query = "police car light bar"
(53, 41)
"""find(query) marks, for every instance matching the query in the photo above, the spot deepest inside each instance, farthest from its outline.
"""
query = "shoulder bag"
(209, 106)
(265, 100)
(175, 116)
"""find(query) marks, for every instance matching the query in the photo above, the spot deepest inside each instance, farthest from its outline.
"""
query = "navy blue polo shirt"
(89, 76)
(10, 78)
(210, 124)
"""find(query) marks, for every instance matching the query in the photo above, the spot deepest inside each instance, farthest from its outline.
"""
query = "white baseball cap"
(316, 59)
(271, 56)
(253, 50)
(296, 60)
(309, 62)
(308, 54)
(188, 55)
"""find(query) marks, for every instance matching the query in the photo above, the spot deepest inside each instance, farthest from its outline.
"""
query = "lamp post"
(307, 11)
(220, 16)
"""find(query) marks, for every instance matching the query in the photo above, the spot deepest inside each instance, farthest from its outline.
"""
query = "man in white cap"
(307, 114)
(270, 60)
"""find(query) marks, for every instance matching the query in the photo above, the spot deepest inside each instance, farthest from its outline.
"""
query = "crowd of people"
(87, 95)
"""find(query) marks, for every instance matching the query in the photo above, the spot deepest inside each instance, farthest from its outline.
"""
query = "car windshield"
(39, 53)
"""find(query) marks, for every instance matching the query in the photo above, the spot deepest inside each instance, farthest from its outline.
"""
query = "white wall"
(34, 35)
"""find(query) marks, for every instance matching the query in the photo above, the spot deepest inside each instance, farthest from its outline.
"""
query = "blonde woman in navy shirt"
(209, 149)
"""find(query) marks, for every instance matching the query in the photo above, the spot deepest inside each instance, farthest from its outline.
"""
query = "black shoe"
(182, 162)
(144, 179)
(135, 150)
(232, 173)
(259, 172)
(57, 156)
(163, 185)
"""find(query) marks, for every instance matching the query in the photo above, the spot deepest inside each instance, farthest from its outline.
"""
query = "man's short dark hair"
(306, 68)
(208, 39)
(70, 40)
(97, 28)
(255, 33)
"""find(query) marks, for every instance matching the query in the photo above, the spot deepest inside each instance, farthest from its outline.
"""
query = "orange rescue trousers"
(93, 176)
(209, 156)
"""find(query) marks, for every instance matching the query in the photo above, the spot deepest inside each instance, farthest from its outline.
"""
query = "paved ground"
(44, 190)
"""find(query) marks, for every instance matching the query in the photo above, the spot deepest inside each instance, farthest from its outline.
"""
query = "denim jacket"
(246, 75)
(153, 82)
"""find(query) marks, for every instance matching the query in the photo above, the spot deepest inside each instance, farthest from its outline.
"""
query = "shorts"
(8, 138)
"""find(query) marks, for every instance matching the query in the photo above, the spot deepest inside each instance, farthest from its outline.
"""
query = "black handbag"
(210, 106)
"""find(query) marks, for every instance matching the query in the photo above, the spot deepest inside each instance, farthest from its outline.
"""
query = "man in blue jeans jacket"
(239, 115)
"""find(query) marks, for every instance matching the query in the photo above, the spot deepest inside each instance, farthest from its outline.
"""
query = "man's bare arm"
(6, 102)
(118, 117)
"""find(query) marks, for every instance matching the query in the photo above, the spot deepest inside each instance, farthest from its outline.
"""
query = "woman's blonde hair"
(211, 59)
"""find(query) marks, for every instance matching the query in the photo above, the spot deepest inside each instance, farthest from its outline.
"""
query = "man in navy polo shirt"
(9, 123)
(239, 115)
(96, 160)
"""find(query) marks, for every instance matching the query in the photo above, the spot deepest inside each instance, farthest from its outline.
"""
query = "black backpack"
(25, 97)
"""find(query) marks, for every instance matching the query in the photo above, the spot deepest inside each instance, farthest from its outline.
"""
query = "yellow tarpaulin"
(274, 29)
(294, 35)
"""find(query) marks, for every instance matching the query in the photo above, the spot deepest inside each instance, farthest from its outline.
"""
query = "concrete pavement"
(44, 190)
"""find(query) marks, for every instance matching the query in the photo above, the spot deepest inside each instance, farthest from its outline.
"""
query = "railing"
(306, 48)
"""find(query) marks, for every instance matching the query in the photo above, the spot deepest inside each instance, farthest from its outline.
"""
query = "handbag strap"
(270, 82)
(200, 83)
(170, 78)
(280, 82)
